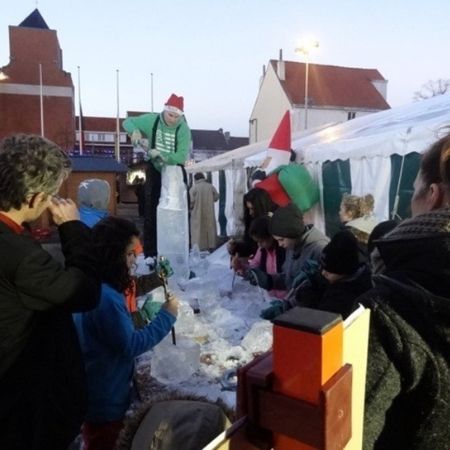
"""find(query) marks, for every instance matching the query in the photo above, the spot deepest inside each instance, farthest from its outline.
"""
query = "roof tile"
(333, 86)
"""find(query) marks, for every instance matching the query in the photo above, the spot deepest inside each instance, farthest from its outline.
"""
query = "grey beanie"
(94, 193)
(287, 222)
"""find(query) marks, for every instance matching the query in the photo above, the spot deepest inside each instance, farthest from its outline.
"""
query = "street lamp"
(151, 89)
(305, 47)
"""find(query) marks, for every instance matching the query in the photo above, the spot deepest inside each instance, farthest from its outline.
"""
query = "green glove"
(150, 309)
(277, 307)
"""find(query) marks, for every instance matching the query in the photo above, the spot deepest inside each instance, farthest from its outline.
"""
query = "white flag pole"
(80, 124)
(151, 91)
(117, 120)
(41, 96)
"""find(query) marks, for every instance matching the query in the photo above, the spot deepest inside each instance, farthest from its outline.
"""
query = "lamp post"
(305, 47)
(151, 89)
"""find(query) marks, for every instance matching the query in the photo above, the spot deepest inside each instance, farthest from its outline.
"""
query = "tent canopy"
(234, 159)
(401, 130)
(376, 153)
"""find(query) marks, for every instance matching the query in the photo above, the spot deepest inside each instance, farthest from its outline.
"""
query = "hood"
(419, 250)
(312, 234)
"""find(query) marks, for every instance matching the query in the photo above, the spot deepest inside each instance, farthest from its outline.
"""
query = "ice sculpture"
(172, 221)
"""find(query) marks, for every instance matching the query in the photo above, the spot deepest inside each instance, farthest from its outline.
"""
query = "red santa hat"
(175, 104)
(279, 151)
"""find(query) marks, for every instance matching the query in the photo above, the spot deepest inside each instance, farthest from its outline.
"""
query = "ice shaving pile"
(218, 330)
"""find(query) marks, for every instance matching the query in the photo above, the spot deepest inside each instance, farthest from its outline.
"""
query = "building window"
(351, 115)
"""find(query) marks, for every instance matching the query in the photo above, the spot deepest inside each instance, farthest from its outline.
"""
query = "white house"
(335, 94)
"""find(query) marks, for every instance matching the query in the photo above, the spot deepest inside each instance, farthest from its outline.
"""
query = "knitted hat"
(431, 224)
(94, 193)
(175, 104)
(340, 255)
(287, 222)
(279, 152)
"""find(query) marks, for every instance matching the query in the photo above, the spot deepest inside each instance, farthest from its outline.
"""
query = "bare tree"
(432, 88)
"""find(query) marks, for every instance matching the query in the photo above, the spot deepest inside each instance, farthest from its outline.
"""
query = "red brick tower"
(35, 50)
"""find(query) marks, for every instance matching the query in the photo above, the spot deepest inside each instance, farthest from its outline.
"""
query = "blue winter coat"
(90, 216)
(109, 344)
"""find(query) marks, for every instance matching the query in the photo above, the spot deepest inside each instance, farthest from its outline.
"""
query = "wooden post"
(299, 396)
(307, 352)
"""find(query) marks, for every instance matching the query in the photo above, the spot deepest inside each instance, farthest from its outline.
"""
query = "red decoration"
(281, 140)
(272, 185)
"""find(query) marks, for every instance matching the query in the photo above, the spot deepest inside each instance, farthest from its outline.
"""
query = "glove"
(260, 278)
(136, 137)
(150, 309)
(308, 270)
(276, 308)
(153, 153)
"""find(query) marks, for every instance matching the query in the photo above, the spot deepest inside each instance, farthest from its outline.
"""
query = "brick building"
(35, 74)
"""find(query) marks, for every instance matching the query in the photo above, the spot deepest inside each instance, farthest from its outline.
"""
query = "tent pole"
(394, 213)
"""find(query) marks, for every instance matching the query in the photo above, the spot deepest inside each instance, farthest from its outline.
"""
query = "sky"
(213, 52)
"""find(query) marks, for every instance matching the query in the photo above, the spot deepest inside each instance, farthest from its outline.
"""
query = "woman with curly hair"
(108, 338)
(354, 206)
(356, 215)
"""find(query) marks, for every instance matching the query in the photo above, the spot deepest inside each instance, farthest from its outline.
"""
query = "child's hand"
(63, 210)
(171, 304)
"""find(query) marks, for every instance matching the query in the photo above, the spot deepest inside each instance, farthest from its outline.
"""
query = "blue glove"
(258, 277)
(277, 307)
(308, 270)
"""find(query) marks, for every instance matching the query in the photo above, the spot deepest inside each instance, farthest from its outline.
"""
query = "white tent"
(233, 165)
(367, 143)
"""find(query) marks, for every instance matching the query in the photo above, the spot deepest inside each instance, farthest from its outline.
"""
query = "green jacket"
(173, 142)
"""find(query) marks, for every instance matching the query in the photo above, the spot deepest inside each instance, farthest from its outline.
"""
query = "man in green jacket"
(169, 142)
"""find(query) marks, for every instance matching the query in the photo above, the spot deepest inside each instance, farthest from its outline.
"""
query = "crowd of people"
(68, 340)
(400, 271)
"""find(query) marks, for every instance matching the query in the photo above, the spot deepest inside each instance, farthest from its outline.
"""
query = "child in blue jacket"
(108, 338)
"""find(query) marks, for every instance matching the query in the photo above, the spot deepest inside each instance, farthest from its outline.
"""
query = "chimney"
(263, 75)
(226, 136)
(280, 67)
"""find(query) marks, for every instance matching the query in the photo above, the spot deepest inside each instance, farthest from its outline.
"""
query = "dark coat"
(339, 297)
(408, 374)
(42, 380)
